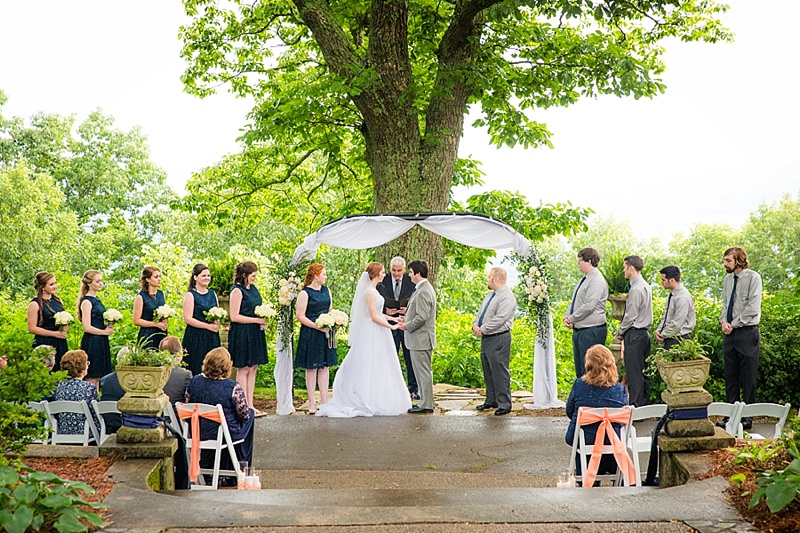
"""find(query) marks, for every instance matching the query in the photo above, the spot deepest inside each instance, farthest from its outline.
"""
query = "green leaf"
(738, 478)
(55, 501)
(779, 495)
(8, 475)
(18, 521)
(69, 523)
(26, 493)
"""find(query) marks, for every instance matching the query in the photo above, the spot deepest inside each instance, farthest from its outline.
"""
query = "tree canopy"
(388, 83)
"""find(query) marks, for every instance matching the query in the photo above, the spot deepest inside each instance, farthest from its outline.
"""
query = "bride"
(369, 381)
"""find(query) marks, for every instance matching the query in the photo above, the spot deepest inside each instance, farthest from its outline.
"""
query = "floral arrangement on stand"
(334, 321)
(537, 294)
(289, 286)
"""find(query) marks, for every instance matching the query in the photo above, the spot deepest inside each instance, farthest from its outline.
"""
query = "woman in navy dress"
(144, 307)
(95, 330)
(246, 340)
(201, 336)
(41, 312)
(313, 353)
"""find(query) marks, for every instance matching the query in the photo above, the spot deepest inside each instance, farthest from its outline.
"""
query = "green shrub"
(41, 501)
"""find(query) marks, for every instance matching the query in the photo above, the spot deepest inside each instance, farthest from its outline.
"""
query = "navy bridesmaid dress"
(312, 346)
(152, 336)
(96, 346)
(198, 342)
(247, 342)
(48, 322)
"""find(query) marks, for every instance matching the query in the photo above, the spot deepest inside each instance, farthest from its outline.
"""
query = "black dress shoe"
(417, 410)
(414, 396)
(484, 407)
(501, 412)
(747, 423)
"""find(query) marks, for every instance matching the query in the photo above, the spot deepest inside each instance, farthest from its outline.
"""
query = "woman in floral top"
(213, 387)
(74, 389)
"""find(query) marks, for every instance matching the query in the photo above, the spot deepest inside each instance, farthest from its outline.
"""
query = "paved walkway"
(418, 473)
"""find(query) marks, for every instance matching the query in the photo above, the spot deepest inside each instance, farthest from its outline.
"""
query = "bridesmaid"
(313, 353)
(246, 341)
(95, 330)
(201, 336)
(41, 312)
(144, 307)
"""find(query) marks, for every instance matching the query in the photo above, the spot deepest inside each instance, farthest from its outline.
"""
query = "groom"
(419, 325)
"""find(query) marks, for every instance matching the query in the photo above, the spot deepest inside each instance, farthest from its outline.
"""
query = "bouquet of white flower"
(325, 320)
(340, 318)
(112, 316)
(334, 321)
(216, 314)
(63, 318)
(164, 312)
(265, 311)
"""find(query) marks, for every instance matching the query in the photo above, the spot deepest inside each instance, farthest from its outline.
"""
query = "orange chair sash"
(194, 414)
(620, 453)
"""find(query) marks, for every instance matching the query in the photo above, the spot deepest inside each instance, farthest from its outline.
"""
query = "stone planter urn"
(617, 305)
(144, 396)
(685, 376)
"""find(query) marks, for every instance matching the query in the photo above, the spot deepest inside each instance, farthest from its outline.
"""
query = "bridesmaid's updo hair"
(86, 280)
(242, 270)
(196, 271)
(40, 281)
(144, 281)
(373, 269)
(217, 364)
(313, 271)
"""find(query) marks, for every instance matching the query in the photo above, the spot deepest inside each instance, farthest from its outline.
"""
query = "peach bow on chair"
(624, 461)
(194, 414)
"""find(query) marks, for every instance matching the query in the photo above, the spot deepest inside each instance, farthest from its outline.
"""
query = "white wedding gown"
(369, 381)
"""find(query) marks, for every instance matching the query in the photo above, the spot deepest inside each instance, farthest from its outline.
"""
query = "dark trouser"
(411, 379)
(495, 353)
(740, 351)
(669, 342)
(582, 340)
(637, 348)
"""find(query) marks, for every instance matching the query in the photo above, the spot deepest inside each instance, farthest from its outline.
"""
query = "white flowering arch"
(368, 231)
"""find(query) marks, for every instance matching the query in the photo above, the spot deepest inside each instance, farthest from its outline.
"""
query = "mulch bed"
(90, 471)
(740, 494)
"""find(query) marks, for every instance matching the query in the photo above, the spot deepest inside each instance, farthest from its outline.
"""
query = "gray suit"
(420, 337)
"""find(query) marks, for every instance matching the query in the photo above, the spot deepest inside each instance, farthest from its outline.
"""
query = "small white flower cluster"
(289, 288)
(265, 311)
(63, 318)
(535, 286)
(335, 318)
(164, 311)
(112, 316)
(216, 314)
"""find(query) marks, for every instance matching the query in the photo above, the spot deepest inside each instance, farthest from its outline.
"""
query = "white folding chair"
(223, 441)
(53, 409)
(582, 450)
(169, 413)
(773, 410)
(38, 407)
(643, 444)
(104, 408)
(730, 410)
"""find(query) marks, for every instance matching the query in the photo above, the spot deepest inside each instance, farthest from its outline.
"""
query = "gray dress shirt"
(590, 301)
(499, 316)
(638, 306)
(679, 319)
(746, 301)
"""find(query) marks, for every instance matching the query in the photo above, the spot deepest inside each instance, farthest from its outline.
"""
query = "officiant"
(396, 290)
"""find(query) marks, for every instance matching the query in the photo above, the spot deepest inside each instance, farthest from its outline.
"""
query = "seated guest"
(76, 363)
(179, 378)
(213, 387)
(598, 387)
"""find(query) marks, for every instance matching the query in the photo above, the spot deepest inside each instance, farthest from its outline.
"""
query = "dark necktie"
(483, 314)
(575, 296)
(397, 289)
(729, 317)
(666, 313)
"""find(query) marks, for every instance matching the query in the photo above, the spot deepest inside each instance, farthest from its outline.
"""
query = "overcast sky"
(720, 141)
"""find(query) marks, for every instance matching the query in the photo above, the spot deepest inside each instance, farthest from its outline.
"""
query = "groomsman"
(741, 313)
(679, 315)
(633, 331)
(396, 290)
(492, 325)
(586, 315)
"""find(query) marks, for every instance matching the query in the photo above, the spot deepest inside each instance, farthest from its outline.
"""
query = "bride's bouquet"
(334, 321)
(163, 312)
(63, 318)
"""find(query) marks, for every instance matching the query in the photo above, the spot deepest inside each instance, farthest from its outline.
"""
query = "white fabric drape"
(357, 233)
(545, 388)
